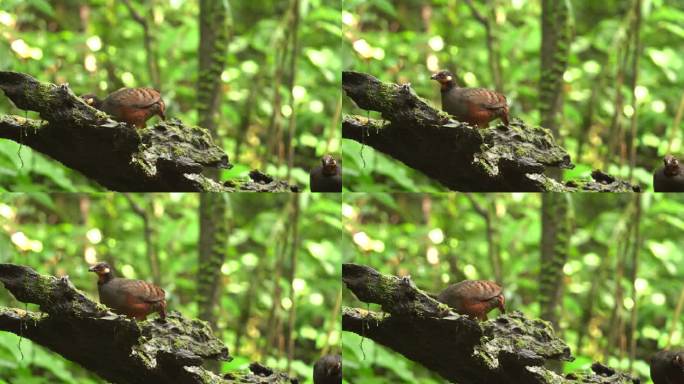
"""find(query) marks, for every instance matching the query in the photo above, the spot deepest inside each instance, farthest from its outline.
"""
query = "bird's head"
(102, 269)
(444, 78)
(501, 301)
(670, 161)
(671, 165)
(161, 107)
(92, 100)
(329, 165)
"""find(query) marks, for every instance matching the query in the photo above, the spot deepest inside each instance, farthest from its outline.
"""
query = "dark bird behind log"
(328, 370)
(327, 177)
(130, 105)
(475, 106)
(667, 367)
(133, 298)
(473, 298)
(669, 177)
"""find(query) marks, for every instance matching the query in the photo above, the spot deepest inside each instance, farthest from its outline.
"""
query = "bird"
(328, 370)
(133, 298)
(130, 105)
(667, 367)
(475, 106)
(327, 177)
(473, 298)
(669, 177)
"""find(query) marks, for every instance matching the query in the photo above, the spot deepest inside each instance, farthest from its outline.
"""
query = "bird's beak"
(433, 77)
(91, 269)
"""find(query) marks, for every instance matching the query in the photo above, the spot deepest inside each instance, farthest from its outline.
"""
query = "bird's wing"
(148, 97)
(485, 97)
(135, 97)
(142, 290)
(481, 290)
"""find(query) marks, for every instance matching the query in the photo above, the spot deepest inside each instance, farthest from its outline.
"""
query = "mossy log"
(169, 156)
(508, 349)
(461, 157)
(119, 349)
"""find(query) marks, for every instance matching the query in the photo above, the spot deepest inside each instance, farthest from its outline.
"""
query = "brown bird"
(475, 106)
(328, 370)
(667, 367)
(133, 298)
(130, 105)
(669, 177)
(473, 298)
(327, 177)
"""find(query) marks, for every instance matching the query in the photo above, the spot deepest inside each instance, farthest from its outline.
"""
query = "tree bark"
(170, 156)
(213, 242)
(214, 24)
(116, 348)
(555, 45)
(461, 157)
(509, 349)
(636, 54)
(294, 249)
(555, 240)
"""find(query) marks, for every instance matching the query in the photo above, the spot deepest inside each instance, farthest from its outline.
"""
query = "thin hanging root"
(21, 140)
(22, 324)
(364, 132)
(363, 331)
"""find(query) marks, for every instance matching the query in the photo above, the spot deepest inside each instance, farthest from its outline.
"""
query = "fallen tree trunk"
(170, 156)
(509, 349)
(118, 349)
(460, 157)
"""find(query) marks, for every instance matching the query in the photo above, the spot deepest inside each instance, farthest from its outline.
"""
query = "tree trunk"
(634, 268)
(292, 124)
(293, 272)
(214, 38)
(633, 84)
(554, 254)
(556, 39)
(213, 242)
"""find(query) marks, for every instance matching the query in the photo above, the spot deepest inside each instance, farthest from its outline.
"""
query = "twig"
(152, 65)
(494, 65)
(147, 231)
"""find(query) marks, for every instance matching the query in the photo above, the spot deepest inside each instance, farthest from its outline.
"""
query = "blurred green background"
(442, 239)
(61, 234)
(97, 46)
(406, 41)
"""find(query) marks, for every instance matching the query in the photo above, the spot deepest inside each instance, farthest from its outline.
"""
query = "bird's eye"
(106, 270)
(448, 78)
